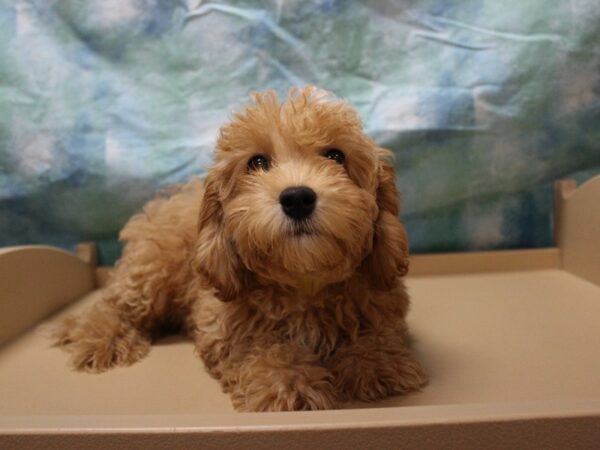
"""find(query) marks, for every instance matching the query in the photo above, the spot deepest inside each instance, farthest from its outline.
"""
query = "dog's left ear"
(388, 259)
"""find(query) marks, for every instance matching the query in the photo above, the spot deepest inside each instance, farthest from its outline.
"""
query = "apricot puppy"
(284, 266)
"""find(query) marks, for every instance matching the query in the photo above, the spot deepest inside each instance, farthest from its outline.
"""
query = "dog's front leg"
(374, 366)
(116, 331)
(283, 377)
(144, 294)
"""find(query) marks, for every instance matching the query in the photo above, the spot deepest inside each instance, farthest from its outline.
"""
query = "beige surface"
(484, 262)
(36, 281)
(507, 337)
(513, 356)
(577, 226)
(509, 426)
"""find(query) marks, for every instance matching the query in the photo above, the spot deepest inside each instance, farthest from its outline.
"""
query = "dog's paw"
(100, 342)
(102, 352)
(375, 376)
(299, 389)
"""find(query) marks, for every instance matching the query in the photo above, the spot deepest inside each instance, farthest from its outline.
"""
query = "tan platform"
(511, 341)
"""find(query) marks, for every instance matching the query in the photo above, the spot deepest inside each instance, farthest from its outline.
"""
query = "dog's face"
(298, 196)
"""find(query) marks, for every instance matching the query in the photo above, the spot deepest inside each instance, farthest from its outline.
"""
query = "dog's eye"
(258, 162)
(336, 155)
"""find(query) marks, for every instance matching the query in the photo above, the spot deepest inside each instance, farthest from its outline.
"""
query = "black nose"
(298, 202)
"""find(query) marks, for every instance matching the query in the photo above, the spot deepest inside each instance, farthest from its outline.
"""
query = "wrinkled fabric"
(484, 103)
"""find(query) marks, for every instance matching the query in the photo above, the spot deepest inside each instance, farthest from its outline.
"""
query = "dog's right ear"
(216, 258)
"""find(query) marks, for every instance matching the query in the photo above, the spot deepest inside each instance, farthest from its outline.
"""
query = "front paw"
(372, 375)
(298, 389)
(99, 354)
(99, 343)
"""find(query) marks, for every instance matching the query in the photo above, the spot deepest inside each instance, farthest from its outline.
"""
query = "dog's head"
(299, 196)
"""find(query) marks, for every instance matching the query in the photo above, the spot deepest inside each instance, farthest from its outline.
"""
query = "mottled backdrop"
(485, 103)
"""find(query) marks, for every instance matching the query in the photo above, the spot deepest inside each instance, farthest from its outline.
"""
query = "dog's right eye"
(258, 162)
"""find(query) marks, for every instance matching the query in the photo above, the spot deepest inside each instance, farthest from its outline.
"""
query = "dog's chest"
(319, 330)
(317, 324)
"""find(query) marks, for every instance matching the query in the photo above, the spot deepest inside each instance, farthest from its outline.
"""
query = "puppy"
(283, 266)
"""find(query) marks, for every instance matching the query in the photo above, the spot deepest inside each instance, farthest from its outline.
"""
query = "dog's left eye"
(335, 154)
(258, 162)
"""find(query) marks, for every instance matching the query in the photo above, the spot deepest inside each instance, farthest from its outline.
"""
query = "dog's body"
(283, 266)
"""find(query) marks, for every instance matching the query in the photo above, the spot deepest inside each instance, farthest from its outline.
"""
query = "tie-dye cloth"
(485, 103)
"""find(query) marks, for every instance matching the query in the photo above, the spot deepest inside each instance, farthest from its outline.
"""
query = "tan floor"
(504, 337)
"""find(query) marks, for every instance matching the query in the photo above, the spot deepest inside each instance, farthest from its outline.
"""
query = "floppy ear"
(388, 259)
(216, 258)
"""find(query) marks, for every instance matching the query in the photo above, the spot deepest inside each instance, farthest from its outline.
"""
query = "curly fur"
(284, 321)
